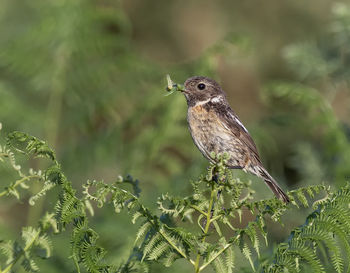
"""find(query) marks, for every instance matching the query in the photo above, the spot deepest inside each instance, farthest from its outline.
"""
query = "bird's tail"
(273, 185)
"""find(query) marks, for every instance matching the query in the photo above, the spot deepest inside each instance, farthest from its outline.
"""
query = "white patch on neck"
(217, 99)
(202, 102)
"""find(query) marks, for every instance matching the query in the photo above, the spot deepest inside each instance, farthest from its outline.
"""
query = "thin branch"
(214, 257)
(9, 267)
(206, 229)
(199, 210)
(20, 181)
(175, 247)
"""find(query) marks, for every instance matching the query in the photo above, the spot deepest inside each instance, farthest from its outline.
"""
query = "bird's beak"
(182, 88)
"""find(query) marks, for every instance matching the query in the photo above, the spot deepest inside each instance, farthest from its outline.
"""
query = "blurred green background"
(89, 77)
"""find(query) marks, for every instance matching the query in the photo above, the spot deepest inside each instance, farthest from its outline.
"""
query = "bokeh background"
(89, 77)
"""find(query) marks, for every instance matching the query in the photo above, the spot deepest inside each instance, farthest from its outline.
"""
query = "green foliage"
(323, 237)
(36, 243)
(69, 210)
(203, 228)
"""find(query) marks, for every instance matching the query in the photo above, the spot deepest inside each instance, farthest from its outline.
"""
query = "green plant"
(200, 228)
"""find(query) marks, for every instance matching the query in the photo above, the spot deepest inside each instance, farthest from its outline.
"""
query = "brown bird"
(215, 127)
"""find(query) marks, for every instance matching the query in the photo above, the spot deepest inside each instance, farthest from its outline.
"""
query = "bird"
(216, 129)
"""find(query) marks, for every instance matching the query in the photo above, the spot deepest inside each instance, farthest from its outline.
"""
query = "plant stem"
(9, 267)
(214, 257)
(197, 268)
(18, 182)
(198, 209)
(175, 247)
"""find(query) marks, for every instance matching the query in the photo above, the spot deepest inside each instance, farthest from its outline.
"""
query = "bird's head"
(201, 89)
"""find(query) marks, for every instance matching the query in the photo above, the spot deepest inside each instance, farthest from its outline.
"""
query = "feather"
(273, 185)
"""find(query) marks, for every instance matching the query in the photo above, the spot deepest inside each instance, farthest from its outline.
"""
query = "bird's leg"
(215, 178)
(236, 167)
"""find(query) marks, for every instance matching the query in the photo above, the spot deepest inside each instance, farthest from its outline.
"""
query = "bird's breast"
(207, 131)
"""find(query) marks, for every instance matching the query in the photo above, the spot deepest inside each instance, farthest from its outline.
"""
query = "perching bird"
(216, 128)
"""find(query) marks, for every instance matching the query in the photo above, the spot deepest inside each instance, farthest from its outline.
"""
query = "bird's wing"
(231, 122)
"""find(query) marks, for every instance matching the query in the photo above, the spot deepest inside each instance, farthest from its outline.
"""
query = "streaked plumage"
(216, 128)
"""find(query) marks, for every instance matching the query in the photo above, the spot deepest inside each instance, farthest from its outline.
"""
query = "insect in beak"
(173, 87)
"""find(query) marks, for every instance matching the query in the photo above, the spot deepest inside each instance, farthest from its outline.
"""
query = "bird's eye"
(201, 86)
